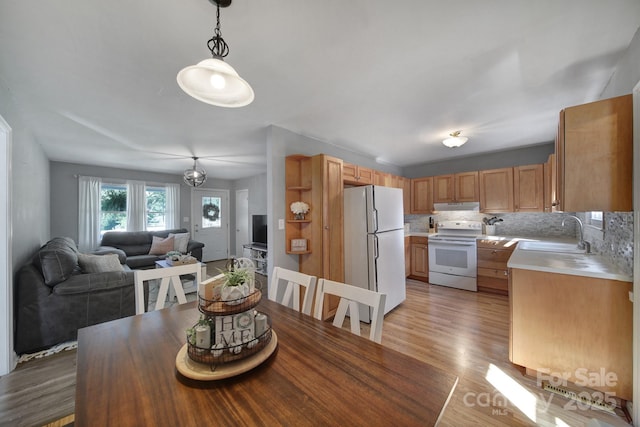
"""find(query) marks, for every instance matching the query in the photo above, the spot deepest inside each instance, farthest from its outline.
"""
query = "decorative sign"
(298, 245)
(235, 329)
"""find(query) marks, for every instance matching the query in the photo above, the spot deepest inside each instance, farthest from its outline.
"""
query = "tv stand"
(258, 254)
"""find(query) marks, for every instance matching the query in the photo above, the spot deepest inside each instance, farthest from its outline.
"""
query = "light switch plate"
(281, 224)
(185, 219)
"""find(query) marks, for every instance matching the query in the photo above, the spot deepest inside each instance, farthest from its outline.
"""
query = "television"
(259, 230)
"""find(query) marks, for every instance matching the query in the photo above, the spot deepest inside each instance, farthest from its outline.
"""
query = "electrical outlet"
(281, 224)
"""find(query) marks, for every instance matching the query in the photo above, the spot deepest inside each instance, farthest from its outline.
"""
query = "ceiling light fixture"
(213, 81)
(455, 140)
(195, 177)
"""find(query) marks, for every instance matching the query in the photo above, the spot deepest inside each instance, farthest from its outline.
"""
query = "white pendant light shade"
(215, 82)
(455, 140)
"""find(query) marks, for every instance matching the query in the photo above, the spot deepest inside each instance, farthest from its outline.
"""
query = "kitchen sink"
(567, 248)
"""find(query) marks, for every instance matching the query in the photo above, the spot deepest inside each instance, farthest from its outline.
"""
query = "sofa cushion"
(142, 261)
(160, 246)
(181, 240)
(99, 263)
(57, 260)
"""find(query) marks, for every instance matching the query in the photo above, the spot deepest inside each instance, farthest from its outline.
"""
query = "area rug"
(69, 345)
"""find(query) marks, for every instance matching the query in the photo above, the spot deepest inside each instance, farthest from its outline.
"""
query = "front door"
(210, 220)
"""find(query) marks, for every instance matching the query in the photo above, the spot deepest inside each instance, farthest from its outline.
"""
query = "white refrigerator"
(374, 243)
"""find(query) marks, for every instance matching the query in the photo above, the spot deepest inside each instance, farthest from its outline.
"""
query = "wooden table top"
(318, 375)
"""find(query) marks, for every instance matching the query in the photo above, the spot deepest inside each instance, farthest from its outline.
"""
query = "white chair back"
(166, 276)
(350, 298)
(293, 280)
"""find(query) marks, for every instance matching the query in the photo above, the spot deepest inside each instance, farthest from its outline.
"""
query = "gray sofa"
(54, 298)
(133, 246)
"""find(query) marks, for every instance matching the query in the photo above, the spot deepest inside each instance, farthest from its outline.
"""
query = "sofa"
(62, 290)
(133, 247)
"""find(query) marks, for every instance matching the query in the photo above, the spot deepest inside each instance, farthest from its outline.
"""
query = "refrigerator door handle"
(375, 222)
(376, 251)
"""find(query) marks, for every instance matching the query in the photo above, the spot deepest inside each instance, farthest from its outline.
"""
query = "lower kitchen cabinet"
(493, 256)
(419, 247)
(574, 326)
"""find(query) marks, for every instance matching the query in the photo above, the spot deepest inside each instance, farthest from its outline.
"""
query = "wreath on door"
(211, 212)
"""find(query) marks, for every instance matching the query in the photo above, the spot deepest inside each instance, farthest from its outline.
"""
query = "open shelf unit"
(298, 189)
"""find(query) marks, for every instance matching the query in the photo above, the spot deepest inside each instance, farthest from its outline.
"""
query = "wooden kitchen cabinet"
(419, 258)
(563, 323)
(405, 184)
(381, 178)
(407, 256)
(422, 195)
(528, 188)
(549, 172)
(456, 188)
(594, 156)
(356, 175)
(496, 190)
(323, 189)
(493, 256)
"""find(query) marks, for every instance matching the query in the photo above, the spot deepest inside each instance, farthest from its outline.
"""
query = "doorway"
(242, 220)
(7, 356)
(210, 222)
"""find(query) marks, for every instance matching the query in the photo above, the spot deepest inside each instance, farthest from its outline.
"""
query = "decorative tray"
(207, 372)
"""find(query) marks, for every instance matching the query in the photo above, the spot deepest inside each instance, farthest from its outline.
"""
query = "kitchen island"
(571, 322)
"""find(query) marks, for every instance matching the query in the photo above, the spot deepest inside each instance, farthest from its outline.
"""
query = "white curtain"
(172, 215)
(88, 213)
(136, 206)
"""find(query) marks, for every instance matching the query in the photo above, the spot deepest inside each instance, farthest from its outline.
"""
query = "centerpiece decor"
(178, 258)
(229, 330)
(299, 209)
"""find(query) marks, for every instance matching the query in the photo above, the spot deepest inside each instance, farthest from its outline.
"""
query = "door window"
(211, 212)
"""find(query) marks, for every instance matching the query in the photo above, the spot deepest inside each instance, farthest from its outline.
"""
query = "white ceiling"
(95, 81)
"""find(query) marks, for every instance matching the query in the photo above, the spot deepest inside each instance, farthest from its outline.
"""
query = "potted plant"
(236, 286)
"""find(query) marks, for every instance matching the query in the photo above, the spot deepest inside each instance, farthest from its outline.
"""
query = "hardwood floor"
(462, 332)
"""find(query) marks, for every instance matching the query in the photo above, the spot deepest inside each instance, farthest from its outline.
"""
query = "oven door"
(453, 257)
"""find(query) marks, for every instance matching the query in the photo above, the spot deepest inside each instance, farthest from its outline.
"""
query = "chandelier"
(212, 80)
(195, 177)
(455, 140)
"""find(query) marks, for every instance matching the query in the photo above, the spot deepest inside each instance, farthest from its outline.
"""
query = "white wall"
(28, 197)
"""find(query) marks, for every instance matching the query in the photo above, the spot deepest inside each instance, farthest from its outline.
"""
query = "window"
(156, 208)
(211, 212)
(113, 208)
(595, 219)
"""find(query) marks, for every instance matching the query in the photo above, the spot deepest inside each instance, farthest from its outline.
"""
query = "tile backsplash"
(615, 242)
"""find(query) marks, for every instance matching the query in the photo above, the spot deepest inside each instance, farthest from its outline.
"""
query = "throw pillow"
(99, 263)
(181, 242)
(160, 246)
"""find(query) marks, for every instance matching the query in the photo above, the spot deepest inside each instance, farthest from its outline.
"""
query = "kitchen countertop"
(588, 265)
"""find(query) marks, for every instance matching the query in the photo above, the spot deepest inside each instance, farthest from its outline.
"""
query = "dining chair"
(166, 276)
(293, 280)
(350, 298)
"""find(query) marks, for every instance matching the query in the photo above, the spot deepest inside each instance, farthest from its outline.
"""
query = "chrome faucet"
(581, 243)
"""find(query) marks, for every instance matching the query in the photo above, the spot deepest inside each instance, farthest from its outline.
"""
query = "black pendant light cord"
(218, 47)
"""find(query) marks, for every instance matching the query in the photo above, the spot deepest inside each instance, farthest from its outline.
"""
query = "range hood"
(464, 206)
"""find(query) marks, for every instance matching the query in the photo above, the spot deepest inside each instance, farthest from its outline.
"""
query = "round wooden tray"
(203, 372)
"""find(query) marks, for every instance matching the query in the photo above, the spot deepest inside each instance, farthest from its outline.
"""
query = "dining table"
(317, 375)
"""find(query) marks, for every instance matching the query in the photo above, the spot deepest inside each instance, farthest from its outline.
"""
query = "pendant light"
(195, 177)
(455, 140)
(213, 81)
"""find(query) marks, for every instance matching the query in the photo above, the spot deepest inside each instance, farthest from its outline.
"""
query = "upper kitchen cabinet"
(528, 188)
(549, 178)
(455, 188)
(405, 184)
(382, 178)
(356, 175)
(594, 158)
(496, 190)
(422, 195)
